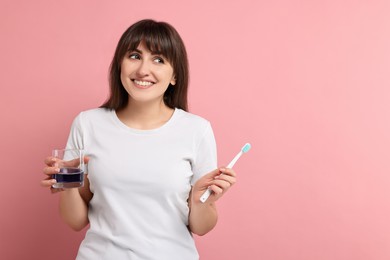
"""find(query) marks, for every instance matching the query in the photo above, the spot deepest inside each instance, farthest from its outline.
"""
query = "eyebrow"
(140, 52)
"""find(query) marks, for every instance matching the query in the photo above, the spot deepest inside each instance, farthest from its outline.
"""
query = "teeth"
(143, 83)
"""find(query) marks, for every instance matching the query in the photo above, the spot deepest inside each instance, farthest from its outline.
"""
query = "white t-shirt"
(141, 180)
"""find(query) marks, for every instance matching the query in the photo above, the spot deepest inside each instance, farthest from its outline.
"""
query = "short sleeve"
(75, 139)
(205, 155)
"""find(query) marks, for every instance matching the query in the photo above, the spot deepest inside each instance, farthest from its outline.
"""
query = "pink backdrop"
(306, 82)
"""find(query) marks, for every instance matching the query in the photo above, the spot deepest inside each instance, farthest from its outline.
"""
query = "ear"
(173, 81)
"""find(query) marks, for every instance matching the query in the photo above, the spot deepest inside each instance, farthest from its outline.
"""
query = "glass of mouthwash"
(71, 165)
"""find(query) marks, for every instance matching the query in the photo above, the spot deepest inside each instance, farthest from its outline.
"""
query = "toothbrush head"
(246, 148)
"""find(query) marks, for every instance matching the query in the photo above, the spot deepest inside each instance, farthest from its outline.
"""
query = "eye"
(134, 56)
(159, 60)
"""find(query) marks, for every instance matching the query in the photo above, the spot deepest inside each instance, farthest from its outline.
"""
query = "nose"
(143, 69)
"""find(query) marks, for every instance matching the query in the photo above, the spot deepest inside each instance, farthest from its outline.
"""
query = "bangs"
(157, 39)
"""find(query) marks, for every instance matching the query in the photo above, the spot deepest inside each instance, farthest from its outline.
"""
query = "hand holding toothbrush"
(216, 182)
(243, 150)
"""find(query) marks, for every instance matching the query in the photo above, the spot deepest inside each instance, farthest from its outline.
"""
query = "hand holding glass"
(71, 164)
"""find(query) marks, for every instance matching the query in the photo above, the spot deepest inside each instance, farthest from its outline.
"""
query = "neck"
(145, 116)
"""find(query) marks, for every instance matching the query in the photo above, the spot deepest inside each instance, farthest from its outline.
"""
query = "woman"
(149, 160)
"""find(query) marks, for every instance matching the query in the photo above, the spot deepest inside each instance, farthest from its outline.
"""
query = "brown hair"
(158, 37)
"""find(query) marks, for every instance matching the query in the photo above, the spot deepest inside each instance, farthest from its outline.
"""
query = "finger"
(49, 161)
(228, 171)
(51, 170)
(211, 175)
(75, 162)
(47, 182)
(222, 184)
(86, 159)
(217, 190)
(71, 163)
(230, 179)
(55, 190)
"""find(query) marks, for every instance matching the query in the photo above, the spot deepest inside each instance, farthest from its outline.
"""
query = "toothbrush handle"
(235, 159)
(205, 196)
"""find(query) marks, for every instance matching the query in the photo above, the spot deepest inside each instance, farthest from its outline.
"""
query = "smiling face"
(146, 75)
(156, 36)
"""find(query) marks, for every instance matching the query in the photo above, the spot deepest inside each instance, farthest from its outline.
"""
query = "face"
(146, 75)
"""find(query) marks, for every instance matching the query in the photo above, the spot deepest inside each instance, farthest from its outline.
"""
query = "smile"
(143, 83)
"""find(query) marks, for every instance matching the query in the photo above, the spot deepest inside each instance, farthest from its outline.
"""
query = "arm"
(74, 206)
(204, 216)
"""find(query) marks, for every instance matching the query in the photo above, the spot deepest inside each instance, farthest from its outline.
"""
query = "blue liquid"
(69, 178)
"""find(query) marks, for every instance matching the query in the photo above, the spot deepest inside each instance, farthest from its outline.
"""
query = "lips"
(142, 83)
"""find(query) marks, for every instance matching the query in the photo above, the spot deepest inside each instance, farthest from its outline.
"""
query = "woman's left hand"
(218, 181)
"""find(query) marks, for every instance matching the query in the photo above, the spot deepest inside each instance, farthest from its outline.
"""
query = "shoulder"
(192, 119)
(192, 124)
(93, 114)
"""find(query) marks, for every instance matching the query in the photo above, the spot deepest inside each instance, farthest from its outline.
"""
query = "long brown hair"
(158, 37)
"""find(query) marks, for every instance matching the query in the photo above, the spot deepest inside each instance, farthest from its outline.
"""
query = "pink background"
(306, 82)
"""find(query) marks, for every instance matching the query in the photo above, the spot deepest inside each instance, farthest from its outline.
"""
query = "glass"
(71, 164)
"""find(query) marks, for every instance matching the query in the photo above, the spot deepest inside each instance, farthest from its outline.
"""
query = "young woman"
(149, 160)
